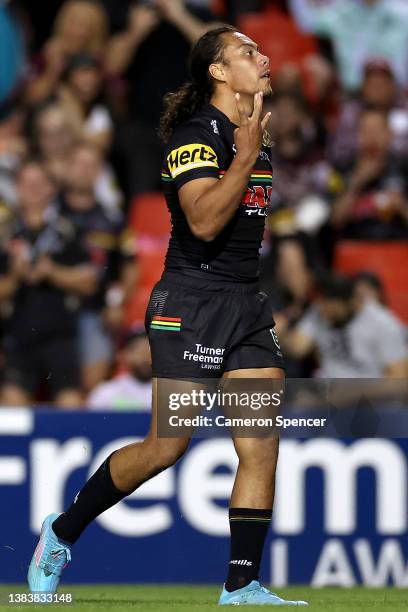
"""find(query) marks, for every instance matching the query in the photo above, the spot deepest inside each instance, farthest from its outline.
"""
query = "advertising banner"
(340, 515)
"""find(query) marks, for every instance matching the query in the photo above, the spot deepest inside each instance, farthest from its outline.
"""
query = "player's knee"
(167, 452)
(260, 453)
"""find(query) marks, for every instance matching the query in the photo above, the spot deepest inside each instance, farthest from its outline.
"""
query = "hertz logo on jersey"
(191, 156)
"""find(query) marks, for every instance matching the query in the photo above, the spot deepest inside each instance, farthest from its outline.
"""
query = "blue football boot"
(50, 557)
(254, 595)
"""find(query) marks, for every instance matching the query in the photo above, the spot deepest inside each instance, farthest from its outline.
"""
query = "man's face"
(379, 90)
(83, 169)
(137, 359)
(34, 189)
(334, 310)
(55, 134)
(246, 70)
(365, 291)
(86, 82)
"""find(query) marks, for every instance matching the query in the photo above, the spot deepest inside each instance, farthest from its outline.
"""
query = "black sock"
(97, 495)
(248, 532)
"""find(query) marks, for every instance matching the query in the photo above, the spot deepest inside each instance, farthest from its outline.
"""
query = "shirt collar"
(213, 110)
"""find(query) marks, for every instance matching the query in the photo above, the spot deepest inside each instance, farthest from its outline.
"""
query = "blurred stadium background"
(83, 235)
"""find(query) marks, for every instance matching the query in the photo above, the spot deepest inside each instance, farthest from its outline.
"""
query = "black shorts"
(199, 330)
(54, 361)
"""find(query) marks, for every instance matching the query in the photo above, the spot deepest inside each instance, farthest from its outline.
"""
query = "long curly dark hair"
(190, 97)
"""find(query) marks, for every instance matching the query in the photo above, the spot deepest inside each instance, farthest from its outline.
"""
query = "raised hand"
(171, 10)
(55, 58)
(248, 137)
(142, 20)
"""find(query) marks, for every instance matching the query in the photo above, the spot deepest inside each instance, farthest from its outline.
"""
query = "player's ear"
(217, 72)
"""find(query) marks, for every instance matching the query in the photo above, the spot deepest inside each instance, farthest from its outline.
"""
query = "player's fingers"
(265, 120)
(258, 100)
(243, 119)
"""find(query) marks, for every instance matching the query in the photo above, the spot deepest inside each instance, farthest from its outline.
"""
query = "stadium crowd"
(81, 93)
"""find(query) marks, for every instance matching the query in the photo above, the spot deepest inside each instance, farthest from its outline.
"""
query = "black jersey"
(204, 147)
(41, 311)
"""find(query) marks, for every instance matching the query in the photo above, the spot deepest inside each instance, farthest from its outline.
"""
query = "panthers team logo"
(258, 194)
(191, 156)
(257, 197)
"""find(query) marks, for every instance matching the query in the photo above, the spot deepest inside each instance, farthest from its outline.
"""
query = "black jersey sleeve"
(195, 151)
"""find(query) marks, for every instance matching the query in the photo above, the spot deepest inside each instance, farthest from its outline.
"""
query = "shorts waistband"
(211, 286)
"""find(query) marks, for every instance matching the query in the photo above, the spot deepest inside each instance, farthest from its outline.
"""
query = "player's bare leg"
(132, 465)
(119, 475)
(254, 485)
(251, 510)
(252, 495)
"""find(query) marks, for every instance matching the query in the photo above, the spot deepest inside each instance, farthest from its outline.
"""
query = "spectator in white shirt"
(353, 338)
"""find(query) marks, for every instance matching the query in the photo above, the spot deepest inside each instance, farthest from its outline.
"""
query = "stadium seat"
(136, 307)
(218, 7)
(150, 264)
(149, 215)
(389, 260)
(278, 37)
(149, 220)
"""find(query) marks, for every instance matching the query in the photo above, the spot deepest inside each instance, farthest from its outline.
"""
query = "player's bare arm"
(209, 204)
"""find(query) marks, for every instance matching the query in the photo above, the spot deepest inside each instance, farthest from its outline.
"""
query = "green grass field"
(201, 599)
